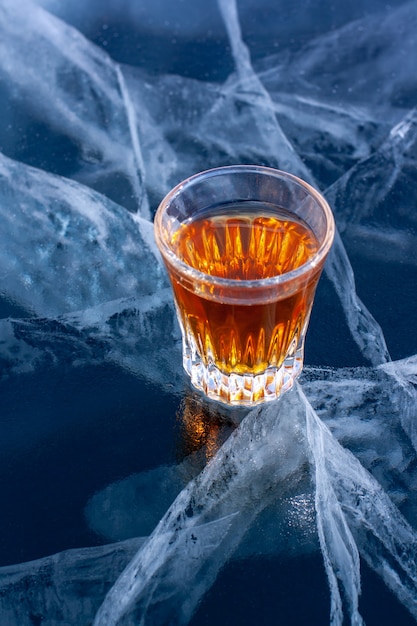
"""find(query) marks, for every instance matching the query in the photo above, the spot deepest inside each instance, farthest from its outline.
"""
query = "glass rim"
(193, 274)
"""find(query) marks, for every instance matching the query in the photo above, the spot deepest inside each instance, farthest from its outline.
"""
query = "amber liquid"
(245, 242)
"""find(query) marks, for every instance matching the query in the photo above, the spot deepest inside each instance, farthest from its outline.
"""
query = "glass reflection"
(204, 426)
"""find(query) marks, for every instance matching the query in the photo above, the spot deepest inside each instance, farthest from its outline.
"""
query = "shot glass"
(244, 247)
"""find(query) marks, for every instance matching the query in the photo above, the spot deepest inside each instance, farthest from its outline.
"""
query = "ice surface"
(362, 407)
(367, 61)
(330, 468)
(353, 515)
(352, 507)
(378, 221)
(208, 519)
(212, 514)
(47, 268)
(54, 584)
(123, 331)
(70, 96)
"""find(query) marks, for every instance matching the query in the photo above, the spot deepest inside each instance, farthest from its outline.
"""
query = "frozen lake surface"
(127, 498)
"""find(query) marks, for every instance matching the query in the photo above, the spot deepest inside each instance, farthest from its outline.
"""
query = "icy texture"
(55, 581)
(362, 407)
(331, 467)
(212, 513)
(122, 331)
(116, 255)
(353, 514)
(351, 506)
(365, 213)
(368, 61)
(208, 519)
(59, 87)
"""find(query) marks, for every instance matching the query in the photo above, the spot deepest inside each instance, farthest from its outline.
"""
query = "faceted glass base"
(237, 389)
